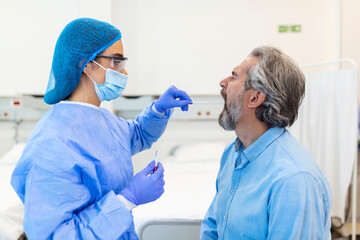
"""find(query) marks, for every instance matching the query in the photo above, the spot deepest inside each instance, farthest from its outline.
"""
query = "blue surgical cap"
(79, 43)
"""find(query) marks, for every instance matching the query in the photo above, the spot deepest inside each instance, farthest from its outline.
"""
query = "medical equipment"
(156, 160)
(18, 116)
(207, 102)
(114, 85)
(146, 186)
(116, 62)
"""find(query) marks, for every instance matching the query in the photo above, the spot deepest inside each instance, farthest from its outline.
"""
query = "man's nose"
(224, 82)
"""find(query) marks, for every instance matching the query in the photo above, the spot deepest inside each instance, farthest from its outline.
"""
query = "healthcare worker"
(75, 176)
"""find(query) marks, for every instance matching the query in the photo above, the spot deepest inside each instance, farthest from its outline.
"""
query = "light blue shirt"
(271, 190)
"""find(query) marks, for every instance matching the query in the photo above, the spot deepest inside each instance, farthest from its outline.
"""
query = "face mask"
(114, 85)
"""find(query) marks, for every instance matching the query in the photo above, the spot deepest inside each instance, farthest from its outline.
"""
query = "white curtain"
(327, 127)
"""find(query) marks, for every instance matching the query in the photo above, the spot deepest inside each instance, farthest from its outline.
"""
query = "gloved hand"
(169, 100)
(143, 188)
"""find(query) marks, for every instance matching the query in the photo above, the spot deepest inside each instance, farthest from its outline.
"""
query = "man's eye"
(117, 62)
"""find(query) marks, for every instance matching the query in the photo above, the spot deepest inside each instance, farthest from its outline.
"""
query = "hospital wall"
(350, 33)
(195, 44)
(29, 33)
(191, 44)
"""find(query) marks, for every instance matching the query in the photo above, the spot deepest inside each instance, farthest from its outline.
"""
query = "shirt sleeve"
(147, 129)
(296, 209)
(208, 225)
(58, 205)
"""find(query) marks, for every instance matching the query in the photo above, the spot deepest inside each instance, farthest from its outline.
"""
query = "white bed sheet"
(189, 190)
(11, 208)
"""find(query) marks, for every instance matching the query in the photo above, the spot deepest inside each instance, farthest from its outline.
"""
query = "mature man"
(268, 185)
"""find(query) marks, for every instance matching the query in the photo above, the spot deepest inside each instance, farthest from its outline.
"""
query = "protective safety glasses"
(116, 63)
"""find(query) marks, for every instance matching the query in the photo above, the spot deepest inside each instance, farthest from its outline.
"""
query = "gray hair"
(282, 82)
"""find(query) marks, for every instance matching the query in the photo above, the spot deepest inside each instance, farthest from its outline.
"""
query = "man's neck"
(248, 132)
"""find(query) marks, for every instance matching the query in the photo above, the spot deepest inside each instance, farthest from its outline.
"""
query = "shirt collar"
(237, 144)
(255, 149)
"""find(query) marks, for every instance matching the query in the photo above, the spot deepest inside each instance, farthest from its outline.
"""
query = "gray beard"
(229, 117)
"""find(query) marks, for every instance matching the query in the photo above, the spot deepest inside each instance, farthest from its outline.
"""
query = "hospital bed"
(11, 208)
(190, 175)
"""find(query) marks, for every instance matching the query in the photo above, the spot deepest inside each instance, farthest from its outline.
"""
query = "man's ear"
(256, 99)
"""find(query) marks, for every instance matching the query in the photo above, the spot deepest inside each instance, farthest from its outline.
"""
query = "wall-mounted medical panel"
(24, 108)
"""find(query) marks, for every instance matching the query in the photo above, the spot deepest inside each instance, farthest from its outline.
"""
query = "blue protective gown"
(75, 162)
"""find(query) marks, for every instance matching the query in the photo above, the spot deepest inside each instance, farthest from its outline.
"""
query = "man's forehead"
(246, 65)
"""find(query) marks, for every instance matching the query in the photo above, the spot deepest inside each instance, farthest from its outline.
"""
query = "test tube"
(156, 160)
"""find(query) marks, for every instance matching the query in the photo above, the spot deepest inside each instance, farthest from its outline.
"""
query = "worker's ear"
(256, 98)
(86, 69)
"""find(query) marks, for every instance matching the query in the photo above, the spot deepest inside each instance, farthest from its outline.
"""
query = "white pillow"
(13, 155)
(199, 152)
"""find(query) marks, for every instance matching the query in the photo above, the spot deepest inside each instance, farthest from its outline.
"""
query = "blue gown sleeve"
(147, 129)
(296, 209)
(57, 207)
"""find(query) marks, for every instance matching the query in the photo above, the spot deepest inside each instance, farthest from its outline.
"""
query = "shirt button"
(251, 157)
(232, 191)
(225, 217)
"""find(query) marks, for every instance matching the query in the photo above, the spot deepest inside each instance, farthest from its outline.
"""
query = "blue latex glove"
(143, 188)
(173, 97)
